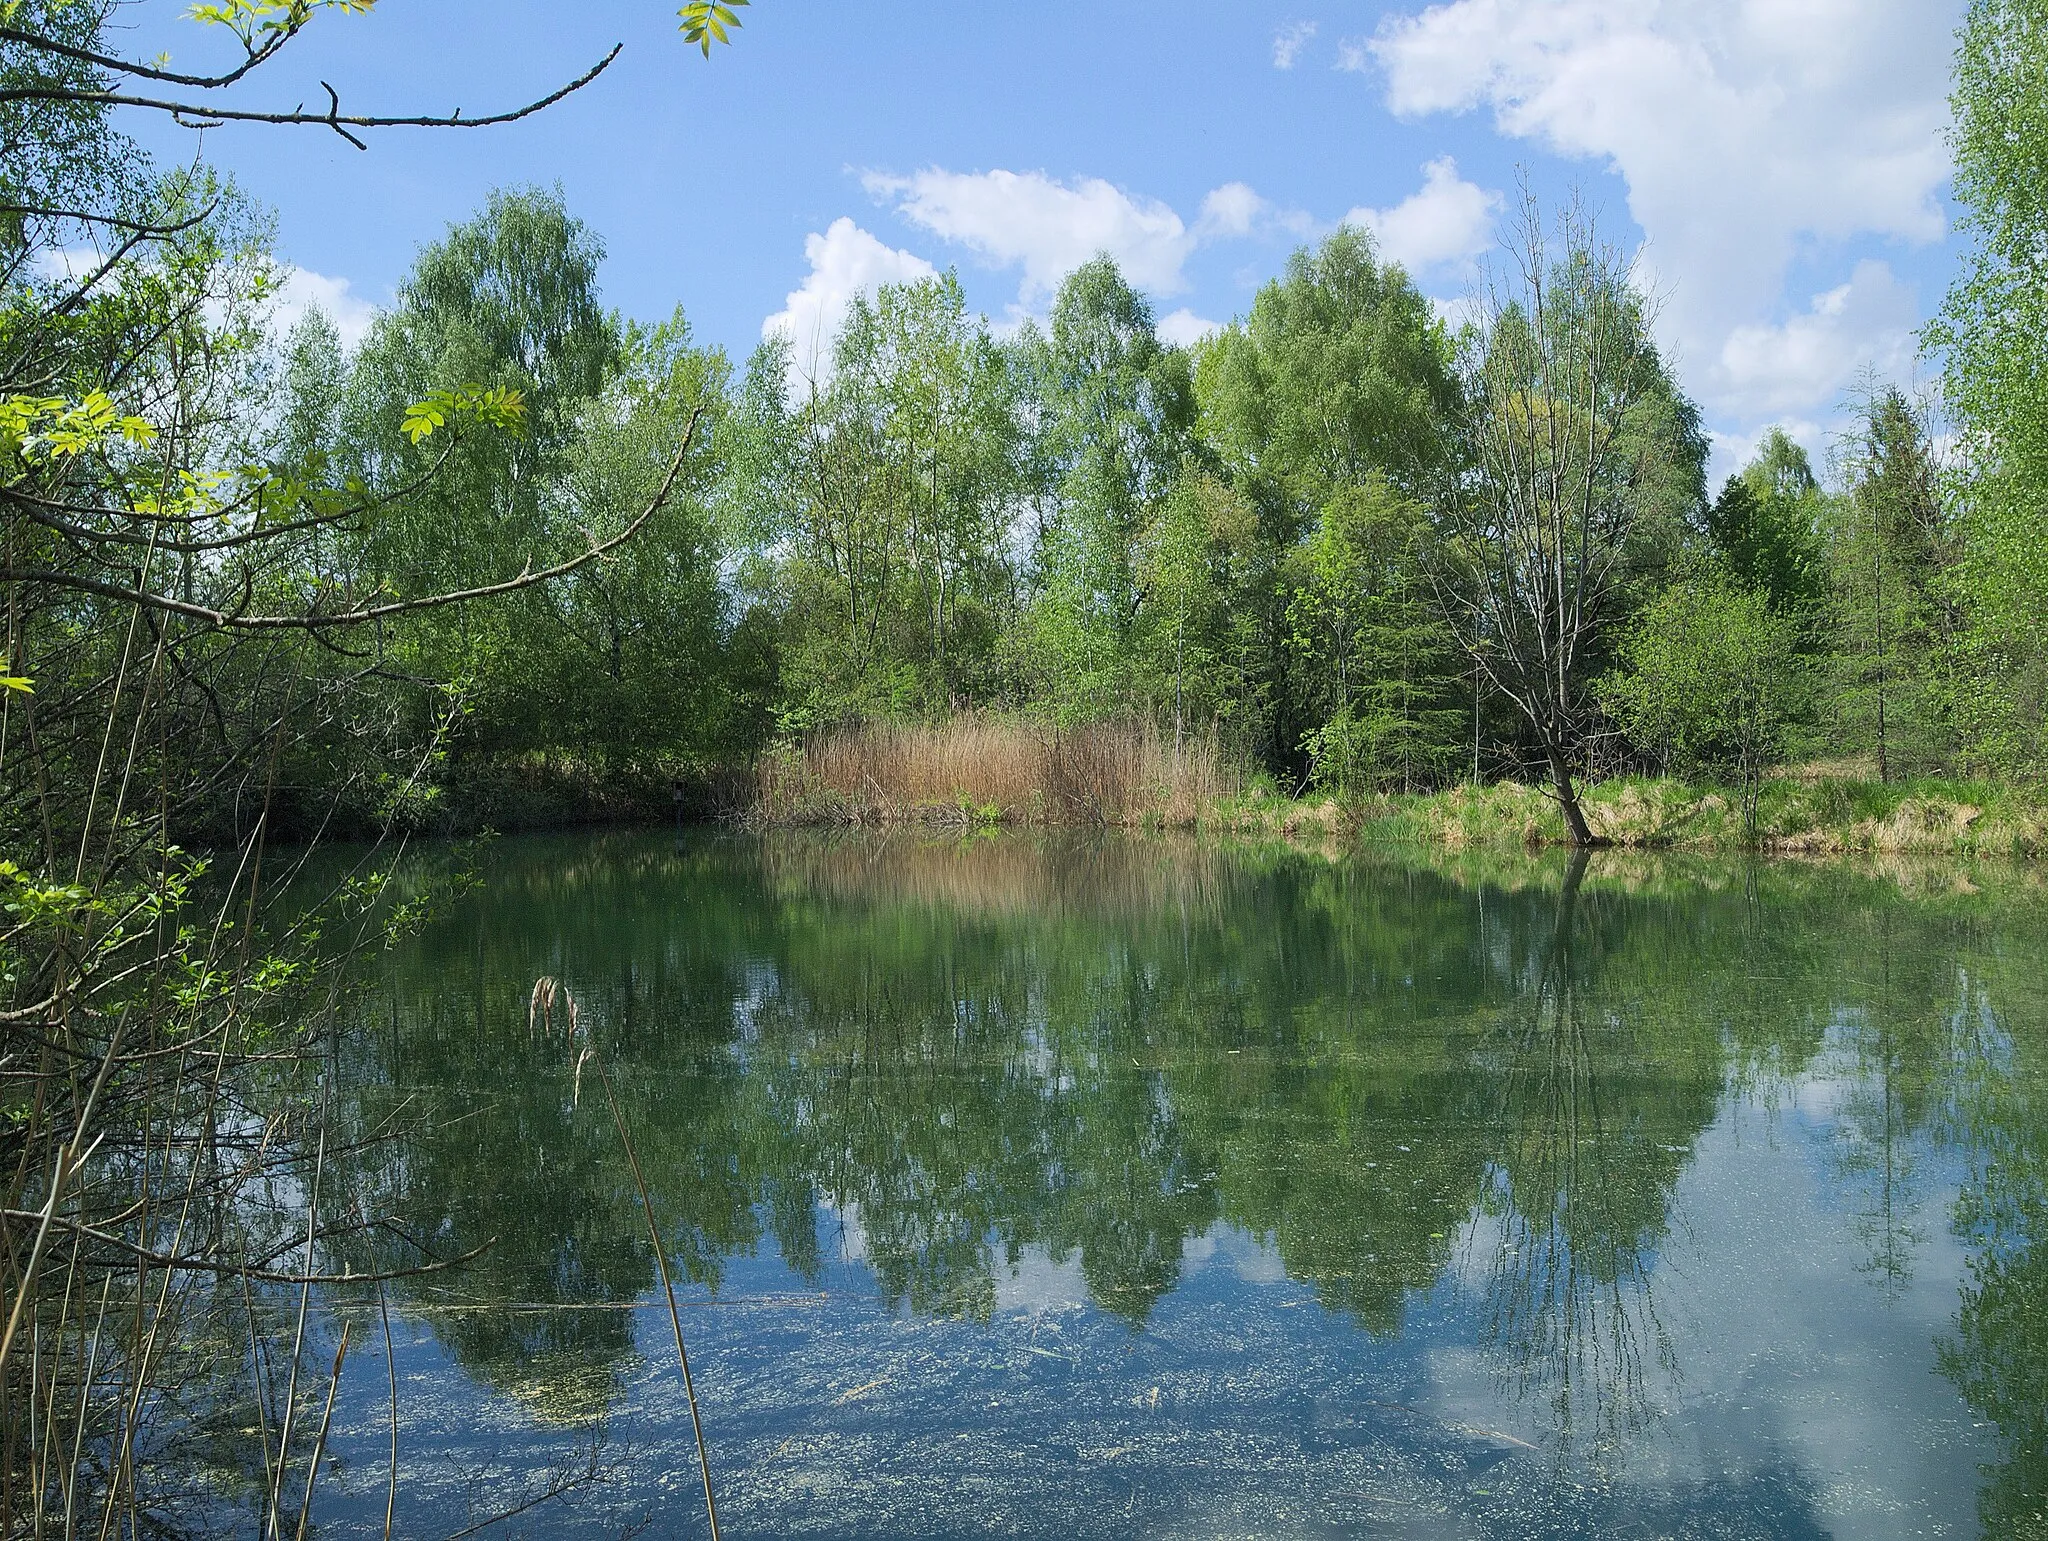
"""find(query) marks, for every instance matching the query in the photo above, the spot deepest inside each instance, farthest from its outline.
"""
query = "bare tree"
(1561, 376)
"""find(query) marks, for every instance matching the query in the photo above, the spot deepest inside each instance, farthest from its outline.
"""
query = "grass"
(978, 771)
(1796, 814)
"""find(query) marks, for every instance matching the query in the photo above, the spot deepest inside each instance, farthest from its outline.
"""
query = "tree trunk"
(1578, 831)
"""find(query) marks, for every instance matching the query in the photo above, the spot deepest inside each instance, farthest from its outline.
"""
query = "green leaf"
(706, 21)
(20, 682)
(495, 407)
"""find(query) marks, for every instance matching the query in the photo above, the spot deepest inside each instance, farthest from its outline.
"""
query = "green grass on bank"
(1807, 814)
(1795, 815)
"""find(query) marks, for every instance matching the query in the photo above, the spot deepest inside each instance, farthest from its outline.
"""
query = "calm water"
(1132, 1188)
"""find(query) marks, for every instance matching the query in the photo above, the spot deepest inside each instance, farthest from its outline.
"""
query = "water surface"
(1136, 1188)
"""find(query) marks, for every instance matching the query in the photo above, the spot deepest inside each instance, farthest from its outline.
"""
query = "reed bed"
(979, 770)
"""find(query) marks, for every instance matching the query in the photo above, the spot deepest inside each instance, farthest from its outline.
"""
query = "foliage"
(1992, 336)
(884, 490)
(1892, 542)
(1116, 411)
(1361, 616)
(1711, 676)
(1340, 383)
(1766, 528)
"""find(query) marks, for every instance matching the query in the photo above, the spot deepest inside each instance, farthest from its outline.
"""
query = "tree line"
(1355, 545)
(1352, 541)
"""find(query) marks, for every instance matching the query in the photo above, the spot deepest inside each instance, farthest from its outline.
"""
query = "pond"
(1136, 1187)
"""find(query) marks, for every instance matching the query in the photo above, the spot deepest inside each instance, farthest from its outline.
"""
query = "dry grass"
(994, 770)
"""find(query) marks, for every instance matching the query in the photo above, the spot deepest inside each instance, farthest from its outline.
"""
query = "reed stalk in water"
(545, 994)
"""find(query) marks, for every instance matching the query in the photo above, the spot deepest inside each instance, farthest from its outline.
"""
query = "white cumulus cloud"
(1746, 131)
(1289, 41)
(1815, 356)
(1231, 210)
(1184, 328)
(1045, 226)
(1445, 223)
(845, 261)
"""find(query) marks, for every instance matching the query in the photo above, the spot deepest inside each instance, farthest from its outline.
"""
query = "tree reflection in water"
(1590, 1146)
(1095, 1053)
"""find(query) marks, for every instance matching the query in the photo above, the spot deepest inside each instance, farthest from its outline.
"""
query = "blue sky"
(1780, 162)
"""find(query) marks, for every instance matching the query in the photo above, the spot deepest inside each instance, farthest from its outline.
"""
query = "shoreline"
(1795, 817)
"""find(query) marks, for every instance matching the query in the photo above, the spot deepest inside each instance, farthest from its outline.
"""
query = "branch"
(239, 1271)
(195, 115)
(122, 66)
(146, 230)
(234, 620)
(50, 514)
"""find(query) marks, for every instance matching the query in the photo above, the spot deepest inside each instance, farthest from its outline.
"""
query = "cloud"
(1446, 223)
(1746, 130)
(1184, 328)
(1815, 356)
(1289, 41)
(303, 290)
(1231, 210)
(845, 261)
(1047, 227)
(1354, 56)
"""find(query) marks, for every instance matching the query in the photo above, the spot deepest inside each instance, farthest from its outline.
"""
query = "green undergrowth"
(1802, 815)
(515, 794)
(1794, 816)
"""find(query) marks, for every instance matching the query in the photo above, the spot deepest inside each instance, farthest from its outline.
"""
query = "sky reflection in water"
(1128, 1187)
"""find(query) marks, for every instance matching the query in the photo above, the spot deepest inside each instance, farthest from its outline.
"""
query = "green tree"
(1891, 542)
(1765, 527)
(1992, 335)
(876, 502)
(1340, 378)
(621, 662)
(1190, 637)
(1711, 678)
(1377, 661)
(637, 670)
(1115, 412)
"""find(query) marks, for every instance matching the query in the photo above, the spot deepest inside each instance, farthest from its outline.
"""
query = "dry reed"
(995, 770)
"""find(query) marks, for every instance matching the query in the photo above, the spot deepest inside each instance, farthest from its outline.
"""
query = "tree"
(1891, 543)
(1363, 622)
(1340, 381)
(1187, 563)
(1765, 527)
(876, 501)
(636, 669)
(1580, 444)
(1992, 334)
(1711, 676)
(1115, 411)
